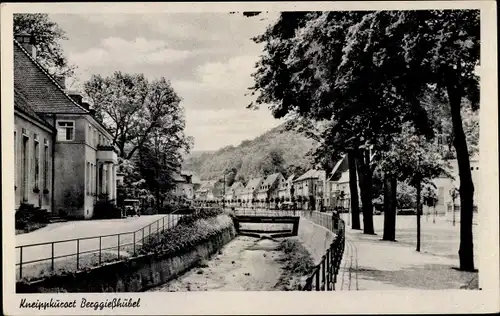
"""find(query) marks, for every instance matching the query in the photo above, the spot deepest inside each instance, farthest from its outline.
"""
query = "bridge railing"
(324, 276)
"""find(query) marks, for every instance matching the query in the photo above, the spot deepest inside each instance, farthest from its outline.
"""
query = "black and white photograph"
(246, 149)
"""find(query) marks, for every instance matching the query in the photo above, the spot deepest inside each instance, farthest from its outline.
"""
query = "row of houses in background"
(316, 190)
(64, 158)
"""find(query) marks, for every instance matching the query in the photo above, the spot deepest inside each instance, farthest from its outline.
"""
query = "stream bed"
(244, 264)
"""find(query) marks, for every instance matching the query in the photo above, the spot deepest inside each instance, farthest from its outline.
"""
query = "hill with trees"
(278, 150)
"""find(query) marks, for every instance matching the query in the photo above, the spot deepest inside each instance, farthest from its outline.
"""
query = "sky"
(208, 57)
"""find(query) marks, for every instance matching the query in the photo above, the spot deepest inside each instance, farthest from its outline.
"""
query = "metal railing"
(122, 244)
(324, 276)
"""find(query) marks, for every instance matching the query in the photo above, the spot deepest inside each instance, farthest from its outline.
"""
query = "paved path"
(86, 229)
(372, 264)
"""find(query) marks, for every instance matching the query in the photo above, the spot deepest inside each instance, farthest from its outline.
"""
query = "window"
(89, 136)
(46, 164)
(65, 130)
(88, 174)
(36, 161)
(95, 138)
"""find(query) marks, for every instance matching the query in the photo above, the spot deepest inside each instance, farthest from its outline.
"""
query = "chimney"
(76, 97)
(85, 105)
(61, 80)
(27, 41)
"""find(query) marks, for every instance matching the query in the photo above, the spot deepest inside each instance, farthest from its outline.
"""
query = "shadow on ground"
(426, 277)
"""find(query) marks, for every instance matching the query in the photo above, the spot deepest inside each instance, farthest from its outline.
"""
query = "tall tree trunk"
(419, 211)
(466, 251)
(353, 188)
(365, 183)
(390, 186)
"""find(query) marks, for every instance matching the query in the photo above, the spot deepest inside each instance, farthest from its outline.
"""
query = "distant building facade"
(285, 188)
(269, 187)
(249, 194)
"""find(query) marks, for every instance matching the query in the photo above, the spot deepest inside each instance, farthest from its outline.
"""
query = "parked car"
(132, 207)
(377, 212)
(286, 206)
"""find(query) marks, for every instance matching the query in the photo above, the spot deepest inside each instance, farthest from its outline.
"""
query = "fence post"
(143, 235)
(118, 246)
(52, 258)
(78, 254)
(21, 262)
(317, 279)
(328, 270)
(158, 230)
(100, 247)
(134, 243)
(323, 272)
(163, 224)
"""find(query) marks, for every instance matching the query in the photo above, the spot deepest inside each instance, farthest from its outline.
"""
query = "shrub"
(188, 232)
(104, 209)
(27, 215)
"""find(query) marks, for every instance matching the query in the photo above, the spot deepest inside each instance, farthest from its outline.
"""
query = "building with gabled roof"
(233, 193)
(65, 160)
(269, 188)
(285, 189)
(249, 194)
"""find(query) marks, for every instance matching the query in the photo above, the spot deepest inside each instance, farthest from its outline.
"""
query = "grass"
(297, 265)
(40, 270)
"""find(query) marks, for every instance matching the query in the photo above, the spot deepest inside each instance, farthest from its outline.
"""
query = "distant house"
(183, 186)
(340, 192)
(285, 188)
(269, 187)
(65, 160)
(249, 194)
(207, 191)
(234, 192)
(444, 185)
(306, 188)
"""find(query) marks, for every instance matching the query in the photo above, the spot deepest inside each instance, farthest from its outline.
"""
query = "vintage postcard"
(250, 158)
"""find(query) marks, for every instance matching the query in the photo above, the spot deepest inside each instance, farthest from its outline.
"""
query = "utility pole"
(224, 193)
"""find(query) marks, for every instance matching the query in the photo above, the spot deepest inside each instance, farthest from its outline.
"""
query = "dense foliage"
(277, 150)
(366, 76)
(29, 218)
(190, 231)
(48, 36)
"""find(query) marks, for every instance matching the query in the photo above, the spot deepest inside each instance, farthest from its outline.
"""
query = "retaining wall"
(133, 275)
(315, 238)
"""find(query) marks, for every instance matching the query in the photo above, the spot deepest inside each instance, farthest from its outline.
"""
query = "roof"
(311, 174)
(21, 104)
(177, 177)
(41, 90)
(344, 177)
(237, 185)
(253, 183)
(270, 179)
(290, 178)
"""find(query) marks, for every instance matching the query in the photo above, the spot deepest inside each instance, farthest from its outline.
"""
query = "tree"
(47, 35)
(353, 188)
(273, 162)
(133, 109)
(441, 53)
(158, 159)
(417, 160)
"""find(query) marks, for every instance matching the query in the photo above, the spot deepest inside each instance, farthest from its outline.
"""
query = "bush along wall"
(195, 238)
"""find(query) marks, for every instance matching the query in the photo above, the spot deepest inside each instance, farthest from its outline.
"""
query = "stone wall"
(315, 238)
(133, 275)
